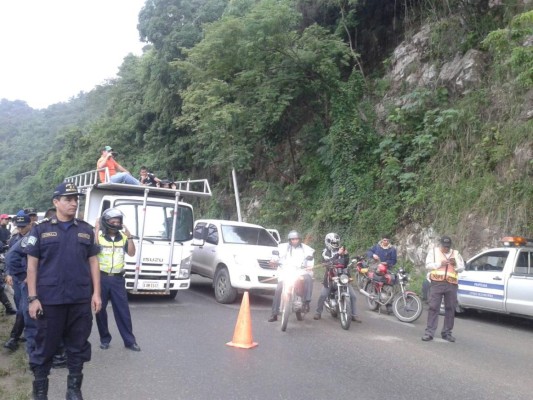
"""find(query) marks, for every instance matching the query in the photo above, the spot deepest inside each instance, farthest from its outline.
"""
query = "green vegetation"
(287, 93)
(15, 381)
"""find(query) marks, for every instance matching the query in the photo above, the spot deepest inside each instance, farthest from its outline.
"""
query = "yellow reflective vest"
(111, 256)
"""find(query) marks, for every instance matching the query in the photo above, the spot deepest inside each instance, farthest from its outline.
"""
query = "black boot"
(40, 389)
(18, 327)
(11, 344)
(7, 304)
(74, 387)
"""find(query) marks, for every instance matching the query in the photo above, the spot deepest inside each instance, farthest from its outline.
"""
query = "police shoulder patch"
(24, 241)
(31, 240)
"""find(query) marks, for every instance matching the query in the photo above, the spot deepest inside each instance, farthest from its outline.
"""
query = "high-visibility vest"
(111, 256)
(442, 274)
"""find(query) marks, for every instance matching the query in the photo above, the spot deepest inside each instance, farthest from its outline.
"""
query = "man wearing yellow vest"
(443, 264)
(113, 245)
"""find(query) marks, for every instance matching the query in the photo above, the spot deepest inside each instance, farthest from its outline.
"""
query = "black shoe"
(273, 318)
(134, 347)
(104, 346)
(356, 319)
(317, 316)
(427, 338)
(448, 337)
(11, 344)
(10, 311)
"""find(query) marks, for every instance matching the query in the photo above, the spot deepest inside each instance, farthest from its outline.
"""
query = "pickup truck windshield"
(158, 221)
(247, 235)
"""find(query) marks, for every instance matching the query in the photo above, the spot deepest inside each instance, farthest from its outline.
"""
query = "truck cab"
(500, 279)
(160, 222)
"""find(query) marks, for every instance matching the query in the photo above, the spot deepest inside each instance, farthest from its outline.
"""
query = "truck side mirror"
(200, 236)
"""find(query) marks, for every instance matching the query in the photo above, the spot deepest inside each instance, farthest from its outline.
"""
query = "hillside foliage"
(285, 93)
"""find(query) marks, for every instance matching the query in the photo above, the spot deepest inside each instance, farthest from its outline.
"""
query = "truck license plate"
(150, 285)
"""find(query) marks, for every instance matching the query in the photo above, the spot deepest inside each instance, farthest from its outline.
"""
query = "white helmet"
(293, 235)
(332, 241)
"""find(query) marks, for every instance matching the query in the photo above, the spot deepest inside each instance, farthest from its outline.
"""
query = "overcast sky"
(53, 49)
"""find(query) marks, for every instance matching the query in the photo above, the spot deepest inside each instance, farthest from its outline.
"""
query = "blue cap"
(22, 220)
(21, 213)
(66, 189)
(108, 148)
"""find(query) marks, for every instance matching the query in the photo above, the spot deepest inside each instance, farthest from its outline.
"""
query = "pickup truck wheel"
(224, 292)
(173, 294)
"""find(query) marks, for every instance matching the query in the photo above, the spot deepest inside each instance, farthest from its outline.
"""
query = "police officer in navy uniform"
(63, 279)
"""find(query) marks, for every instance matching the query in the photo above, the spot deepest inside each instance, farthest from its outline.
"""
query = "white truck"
(499, 279)
(160, 223)
(236, 256)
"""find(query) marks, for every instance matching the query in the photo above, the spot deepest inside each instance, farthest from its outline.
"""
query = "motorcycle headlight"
(344, 279)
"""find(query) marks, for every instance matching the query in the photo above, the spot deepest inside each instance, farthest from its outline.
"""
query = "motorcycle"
(292, 296)
(338, 301)
(361, 268)
(385, 289)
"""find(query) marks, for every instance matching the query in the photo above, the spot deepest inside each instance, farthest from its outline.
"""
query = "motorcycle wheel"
(345, 312)
(332, 310)
(361, 280)
(407, 309)
(285, 312)
(372, 304)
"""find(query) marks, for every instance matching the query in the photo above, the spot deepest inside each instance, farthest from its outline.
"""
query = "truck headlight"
(185, 268)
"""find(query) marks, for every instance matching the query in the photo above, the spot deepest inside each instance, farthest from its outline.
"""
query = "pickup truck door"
(520, 285)
(482, 284)
(204, 256)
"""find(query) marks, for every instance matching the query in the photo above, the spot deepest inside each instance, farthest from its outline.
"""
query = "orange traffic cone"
(242, 337)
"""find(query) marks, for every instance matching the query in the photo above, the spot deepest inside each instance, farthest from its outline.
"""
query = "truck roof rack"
(90, 179)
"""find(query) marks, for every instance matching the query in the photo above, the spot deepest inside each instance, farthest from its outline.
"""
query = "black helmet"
(107, 215)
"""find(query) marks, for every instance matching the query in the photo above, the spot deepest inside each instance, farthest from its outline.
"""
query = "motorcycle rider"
(292, 255)
(384, 252)
(338, 256)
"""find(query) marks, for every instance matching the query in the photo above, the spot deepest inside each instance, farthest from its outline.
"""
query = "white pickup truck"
(235, 255)
(500, 279)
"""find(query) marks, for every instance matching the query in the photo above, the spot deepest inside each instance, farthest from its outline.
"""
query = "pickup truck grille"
(267, 279)
(265, 264)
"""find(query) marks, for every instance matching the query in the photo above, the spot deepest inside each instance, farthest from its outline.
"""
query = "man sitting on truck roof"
(107, 159)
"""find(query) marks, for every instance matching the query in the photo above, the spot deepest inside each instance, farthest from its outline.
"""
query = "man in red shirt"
(108, 160)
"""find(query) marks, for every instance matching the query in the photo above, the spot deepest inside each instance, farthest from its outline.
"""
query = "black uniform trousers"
(70, 322)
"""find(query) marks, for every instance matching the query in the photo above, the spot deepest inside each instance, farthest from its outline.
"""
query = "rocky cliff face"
(412, 66)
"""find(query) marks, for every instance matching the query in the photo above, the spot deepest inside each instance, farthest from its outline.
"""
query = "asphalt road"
(184, 356)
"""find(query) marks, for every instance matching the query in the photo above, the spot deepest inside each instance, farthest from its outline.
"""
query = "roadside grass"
(15, 379)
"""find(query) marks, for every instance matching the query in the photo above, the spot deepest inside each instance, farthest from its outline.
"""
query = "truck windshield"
(158, 222)
(247, 235)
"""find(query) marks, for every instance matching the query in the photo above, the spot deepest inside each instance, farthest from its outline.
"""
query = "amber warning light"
(514, 241)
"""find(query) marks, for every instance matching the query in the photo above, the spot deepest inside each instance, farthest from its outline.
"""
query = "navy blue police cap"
(66, 189)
